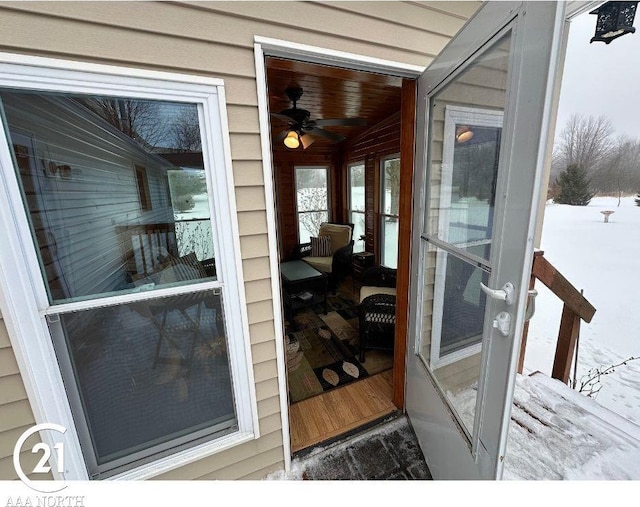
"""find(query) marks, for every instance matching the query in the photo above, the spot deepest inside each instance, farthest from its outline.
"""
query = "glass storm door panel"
(481, 144)
(459, 219)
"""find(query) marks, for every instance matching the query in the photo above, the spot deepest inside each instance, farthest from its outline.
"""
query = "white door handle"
(505, 294)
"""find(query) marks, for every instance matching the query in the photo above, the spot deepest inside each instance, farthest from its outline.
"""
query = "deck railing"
(576, 309)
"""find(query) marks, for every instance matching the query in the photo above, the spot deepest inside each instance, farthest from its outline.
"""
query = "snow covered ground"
(603, 259)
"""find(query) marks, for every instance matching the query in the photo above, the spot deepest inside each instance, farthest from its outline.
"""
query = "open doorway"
(336, 151)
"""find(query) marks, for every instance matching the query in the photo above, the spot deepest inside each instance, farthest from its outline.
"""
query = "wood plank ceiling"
(330, 92)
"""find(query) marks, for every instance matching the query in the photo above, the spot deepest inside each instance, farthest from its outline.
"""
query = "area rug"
(322, 350)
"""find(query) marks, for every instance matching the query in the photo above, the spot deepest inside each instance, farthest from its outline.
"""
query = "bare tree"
(185, 131)
(584, 141)
(619, 171)
(312, 204)
(138, 119)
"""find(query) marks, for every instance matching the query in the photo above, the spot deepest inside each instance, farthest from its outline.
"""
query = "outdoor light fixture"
(463, 134)
(614, 20)
(292, 140)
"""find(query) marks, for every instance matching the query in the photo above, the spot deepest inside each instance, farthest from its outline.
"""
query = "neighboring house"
(91, 202)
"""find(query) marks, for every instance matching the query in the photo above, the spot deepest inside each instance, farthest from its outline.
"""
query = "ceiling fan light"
(292, 140)
(306, 140)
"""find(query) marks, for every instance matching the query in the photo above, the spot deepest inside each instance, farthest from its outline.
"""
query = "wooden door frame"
(407, 154)
(264, 47)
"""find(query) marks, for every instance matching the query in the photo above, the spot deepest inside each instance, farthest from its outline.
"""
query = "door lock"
(505, 294)
(502, 323)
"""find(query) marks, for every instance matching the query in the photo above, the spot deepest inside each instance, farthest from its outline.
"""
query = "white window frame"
(350, 209)
(454, 115)
(383, 215)
(23, 299)
(295, 180)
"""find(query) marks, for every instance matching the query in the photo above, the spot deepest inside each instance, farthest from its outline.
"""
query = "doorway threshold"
(386, 450)
(333, 414)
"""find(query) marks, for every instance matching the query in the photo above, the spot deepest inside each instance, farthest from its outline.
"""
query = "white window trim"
(23, 300)
(453, 115)
(350, 210)
(326, 168)
(381, 203)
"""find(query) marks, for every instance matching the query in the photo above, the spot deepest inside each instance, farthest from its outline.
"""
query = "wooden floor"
(331, 414)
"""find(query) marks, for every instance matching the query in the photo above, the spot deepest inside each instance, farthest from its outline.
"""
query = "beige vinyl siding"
(216, 39)
(15, 413)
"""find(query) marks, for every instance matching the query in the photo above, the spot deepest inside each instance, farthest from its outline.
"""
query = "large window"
(137, 283)
(357, 204)
(312, 200)
(389, 200)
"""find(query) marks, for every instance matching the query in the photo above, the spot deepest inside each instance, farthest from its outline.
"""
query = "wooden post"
(565, 348)
(525, 332)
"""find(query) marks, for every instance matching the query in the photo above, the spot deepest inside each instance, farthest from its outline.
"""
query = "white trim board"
(333, 58)
(264, 46)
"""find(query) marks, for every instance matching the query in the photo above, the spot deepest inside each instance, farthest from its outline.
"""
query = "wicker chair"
(377, 310)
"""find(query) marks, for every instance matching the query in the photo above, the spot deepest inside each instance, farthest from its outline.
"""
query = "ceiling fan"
(302, 130)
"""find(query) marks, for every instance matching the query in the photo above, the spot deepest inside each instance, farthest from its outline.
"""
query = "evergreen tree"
(573, 187)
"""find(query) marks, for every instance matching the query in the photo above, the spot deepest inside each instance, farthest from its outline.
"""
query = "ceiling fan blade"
(282, 117)
(281, 136)
(331, 136)
(341, 122)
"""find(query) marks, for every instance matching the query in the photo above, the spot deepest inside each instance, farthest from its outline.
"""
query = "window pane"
(356, 187)
(150, 375)
(391, 187)
(473, 176)
(390, 246)
(465, 146)
(115, 191)
(357, 219)
(312, 199)
(452, 347)
(311, 187)
(309, 224)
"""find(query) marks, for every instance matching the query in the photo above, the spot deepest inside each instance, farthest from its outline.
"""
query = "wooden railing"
(576, 308)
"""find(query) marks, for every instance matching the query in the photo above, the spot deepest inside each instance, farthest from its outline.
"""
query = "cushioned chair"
(338, 264)
(377, 310)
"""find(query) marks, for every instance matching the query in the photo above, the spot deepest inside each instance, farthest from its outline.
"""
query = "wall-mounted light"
(463, 134)
(615, 19)
(292, 140)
